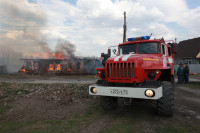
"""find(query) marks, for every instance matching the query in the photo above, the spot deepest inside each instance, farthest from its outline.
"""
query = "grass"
(131, 126)
(72, 125)
(140, 118)
(4, 108)
(191, 85)
(129, 119)
(122, 128)
(176, 129)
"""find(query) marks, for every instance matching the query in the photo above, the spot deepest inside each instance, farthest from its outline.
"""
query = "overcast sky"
(93, 25)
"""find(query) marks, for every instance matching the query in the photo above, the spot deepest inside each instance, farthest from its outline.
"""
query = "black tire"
(165, 105)
(108, 103)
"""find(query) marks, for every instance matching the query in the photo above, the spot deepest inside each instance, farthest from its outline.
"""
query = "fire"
(51, 67)
(59, 56)
(58, 67)
(49, 55)
(23, 70)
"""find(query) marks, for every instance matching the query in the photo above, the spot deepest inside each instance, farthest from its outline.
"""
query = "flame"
(50, 67)
(58, 67)
(49, 55)
(23, 70)
(59, 55)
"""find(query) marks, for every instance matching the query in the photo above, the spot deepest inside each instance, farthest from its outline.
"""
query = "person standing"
(186, 73)
(180, 73)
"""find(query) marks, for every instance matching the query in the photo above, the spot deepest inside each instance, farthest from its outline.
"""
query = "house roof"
(188, 48)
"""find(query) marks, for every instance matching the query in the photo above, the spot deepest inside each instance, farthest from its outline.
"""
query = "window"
(163, 49)
(126, 49)
(149, 48)
(169, 51)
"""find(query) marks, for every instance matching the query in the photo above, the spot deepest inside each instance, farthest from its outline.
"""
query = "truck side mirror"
(114, 51)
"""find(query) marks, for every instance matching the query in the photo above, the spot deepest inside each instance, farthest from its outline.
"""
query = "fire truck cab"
(143, 69)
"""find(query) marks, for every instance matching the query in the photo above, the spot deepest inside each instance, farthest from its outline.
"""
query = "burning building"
(63, 66)
(62, 61)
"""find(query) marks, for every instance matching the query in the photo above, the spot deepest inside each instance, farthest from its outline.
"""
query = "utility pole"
(124, 34)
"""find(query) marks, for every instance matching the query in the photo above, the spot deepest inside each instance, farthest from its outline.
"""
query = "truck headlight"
(99, 72)
(157, 71)
(149, 93)
(93, 90)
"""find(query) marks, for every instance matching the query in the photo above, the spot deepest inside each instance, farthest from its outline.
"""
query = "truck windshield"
(126, 49)
(149, 48)
(143, 48)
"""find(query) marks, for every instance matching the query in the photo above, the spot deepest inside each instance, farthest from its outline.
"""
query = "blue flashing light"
(139, 38)
(130, 39)
(146, 37)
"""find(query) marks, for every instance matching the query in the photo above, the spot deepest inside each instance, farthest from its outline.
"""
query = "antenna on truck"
(150, 35)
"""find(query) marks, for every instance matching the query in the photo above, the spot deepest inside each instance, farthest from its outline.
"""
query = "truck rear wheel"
(108, 103)
(165, 105)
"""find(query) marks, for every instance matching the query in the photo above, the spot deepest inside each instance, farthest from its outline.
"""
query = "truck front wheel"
(165, 105)
(108, 103)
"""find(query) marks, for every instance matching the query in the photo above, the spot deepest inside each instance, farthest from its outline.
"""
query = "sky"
(92, 26)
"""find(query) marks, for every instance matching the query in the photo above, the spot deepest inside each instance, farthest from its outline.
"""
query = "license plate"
(118, 91)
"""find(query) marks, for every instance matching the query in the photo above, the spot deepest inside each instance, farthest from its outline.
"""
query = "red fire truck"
(141, 69)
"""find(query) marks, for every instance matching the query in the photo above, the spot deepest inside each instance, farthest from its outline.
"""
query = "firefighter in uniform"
(186, 73)
(180, 73)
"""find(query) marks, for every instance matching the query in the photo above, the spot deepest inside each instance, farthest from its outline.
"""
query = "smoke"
(65, 47)
(22, 33)
(9, 58)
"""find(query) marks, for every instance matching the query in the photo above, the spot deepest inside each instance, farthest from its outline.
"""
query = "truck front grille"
(120, 71)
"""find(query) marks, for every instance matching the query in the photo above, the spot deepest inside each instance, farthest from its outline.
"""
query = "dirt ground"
(56, 107)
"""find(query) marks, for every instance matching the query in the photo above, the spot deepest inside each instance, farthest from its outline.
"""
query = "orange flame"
(23, 70)
(58, 67)
(50, 67)
(49, 55)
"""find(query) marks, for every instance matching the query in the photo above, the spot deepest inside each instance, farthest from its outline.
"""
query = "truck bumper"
(127, 92)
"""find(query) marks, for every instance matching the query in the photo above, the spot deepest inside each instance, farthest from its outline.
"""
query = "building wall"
(194, 68)
(188, 60)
